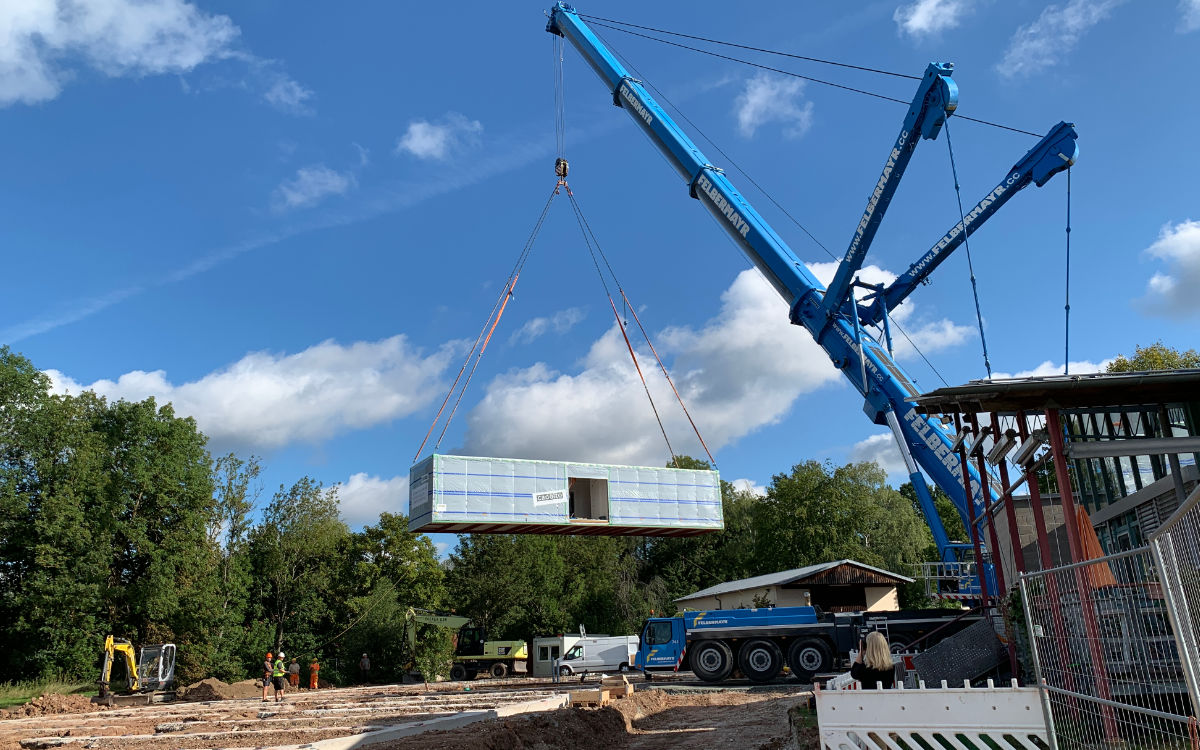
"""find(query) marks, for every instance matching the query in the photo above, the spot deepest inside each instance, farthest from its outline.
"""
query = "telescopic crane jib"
(832, 315)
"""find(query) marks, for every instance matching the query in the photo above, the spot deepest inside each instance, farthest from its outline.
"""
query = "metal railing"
(950, 580)
(1114, 641)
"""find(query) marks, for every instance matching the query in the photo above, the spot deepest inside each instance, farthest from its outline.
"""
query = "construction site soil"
(649, 719)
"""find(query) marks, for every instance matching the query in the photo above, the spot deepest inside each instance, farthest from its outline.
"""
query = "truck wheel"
(760, 659)
(458, 673)
(499, 670)
(624, 668)
(712, 661)
(808, 656)
(564, 671)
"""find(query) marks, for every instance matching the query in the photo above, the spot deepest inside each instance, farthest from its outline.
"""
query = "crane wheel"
(458, 673)
(712, 661)
(807, 656)
(760, 659)
(499, 670)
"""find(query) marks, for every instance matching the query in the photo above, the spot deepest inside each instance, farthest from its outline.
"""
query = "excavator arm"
(118, 648)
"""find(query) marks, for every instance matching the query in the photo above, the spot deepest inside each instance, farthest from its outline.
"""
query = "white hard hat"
(281, 655)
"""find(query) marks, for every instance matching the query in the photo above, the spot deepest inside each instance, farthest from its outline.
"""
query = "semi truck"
(759, 643)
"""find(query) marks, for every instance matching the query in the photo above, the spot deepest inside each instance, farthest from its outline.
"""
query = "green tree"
(237, 491)
(1157, 356)
(819, 513)
(388, 571)
(103, 509)
(296, 552)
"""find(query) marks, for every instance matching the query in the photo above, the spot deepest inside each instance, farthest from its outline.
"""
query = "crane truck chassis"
(760, 642)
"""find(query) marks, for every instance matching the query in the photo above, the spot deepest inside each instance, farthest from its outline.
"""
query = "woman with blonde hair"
(874, 662)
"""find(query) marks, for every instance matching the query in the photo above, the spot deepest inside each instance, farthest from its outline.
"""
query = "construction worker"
(279, 677)
(294, 673)
(312, 674)
(266, 675)
(364, 669)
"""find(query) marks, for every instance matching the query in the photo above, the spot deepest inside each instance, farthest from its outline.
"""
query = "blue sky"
(288, 218)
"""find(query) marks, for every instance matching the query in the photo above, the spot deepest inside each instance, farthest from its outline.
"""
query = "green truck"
(473, 652)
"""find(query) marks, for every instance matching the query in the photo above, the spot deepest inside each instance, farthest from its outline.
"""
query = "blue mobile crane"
(833, 315)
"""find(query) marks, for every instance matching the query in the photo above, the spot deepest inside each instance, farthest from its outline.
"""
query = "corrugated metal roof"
(1063, 392)
(785, 577)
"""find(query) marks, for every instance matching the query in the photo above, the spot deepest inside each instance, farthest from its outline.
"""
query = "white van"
(607, 654)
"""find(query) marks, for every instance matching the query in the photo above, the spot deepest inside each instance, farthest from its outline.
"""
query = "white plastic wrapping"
(503, 495)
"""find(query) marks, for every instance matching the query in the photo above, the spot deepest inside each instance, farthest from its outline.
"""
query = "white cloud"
(1048, 368)
(880, 449)
(1042, 43)
(268, 400)
(770, 98)
(928, 17)
(287, 95)
(364, 154)
(729, 372)
(1190, 10)
(749, 485)
(438, 140)
(43, 42)
(1173, 293)
(560, 322)
(363, 498)
(310, 186)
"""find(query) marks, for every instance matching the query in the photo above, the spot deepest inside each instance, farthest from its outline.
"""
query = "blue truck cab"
(756, 637)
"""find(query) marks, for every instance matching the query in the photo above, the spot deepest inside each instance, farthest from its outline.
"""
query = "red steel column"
(1083, 581)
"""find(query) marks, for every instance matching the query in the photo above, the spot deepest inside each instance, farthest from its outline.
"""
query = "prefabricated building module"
(471, 495)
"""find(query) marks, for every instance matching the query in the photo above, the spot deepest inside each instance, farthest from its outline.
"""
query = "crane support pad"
(473, 495)
(966, 655)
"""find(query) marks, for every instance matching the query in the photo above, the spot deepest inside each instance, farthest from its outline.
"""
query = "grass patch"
(18, 693)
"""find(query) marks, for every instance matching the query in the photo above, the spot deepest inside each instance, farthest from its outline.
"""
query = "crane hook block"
(560, 167)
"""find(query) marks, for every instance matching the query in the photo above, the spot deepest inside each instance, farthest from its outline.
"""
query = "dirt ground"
(648, 720)
(72, 721)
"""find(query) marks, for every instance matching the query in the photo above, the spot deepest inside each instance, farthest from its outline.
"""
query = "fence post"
(1178, 615)
(1037, 665)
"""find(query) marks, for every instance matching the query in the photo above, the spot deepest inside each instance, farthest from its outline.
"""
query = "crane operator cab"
(470, 641)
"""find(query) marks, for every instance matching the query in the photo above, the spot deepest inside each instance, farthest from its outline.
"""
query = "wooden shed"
(839, 586)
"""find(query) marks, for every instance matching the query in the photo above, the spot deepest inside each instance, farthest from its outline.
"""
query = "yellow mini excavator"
(149, 673)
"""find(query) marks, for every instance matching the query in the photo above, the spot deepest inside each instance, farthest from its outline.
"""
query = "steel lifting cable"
(1067, 304)
(560, 122)
(485, 333)
(750, 178)
(967, 249)
(591, 240)
(620, 324)
(823, 82)
(748, 47)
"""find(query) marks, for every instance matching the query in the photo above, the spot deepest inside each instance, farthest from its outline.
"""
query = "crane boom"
(888, 391)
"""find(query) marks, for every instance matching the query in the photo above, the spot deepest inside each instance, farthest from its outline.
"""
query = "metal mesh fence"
(1114, 641)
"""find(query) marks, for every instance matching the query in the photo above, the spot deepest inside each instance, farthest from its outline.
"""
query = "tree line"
(114, 518)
